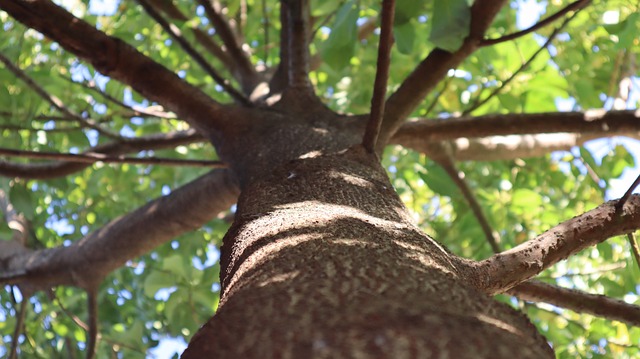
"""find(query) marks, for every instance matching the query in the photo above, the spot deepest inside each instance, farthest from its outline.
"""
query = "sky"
(528, 14)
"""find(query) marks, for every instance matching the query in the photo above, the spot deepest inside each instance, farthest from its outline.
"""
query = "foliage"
(172, 290)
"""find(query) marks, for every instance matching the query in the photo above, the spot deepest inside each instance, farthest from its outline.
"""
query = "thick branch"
(88, 260)
(120, 61)
(593, 121)
(505, 270)
(578, 301)
(61, 169)
(435, 67)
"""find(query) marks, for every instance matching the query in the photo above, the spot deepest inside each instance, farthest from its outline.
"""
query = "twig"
(634, 247)
(627, 194)
(136, 111)
(13, 352)
(265, 16)
(92, 303)
(497, 90)
(579, 4)
(90, 157)
(382, 75)
(54, 101)
(447, 163)
(174, 32)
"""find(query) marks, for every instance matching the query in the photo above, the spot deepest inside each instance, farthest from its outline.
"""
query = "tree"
(327, 254)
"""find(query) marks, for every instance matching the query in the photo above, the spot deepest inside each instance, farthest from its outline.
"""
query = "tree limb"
(118, 60)
(435, 67)
(15, 343)
(578, 301)
(604, 123)
(92, 313)
(87, 261)
(505, 270)
(297, 28)
(61, 169)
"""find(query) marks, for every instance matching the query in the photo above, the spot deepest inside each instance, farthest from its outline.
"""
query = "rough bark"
(323, 260)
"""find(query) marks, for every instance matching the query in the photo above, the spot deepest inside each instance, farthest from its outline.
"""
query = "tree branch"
(297, 28)
(61, 169)
(92, 157)
(118, 60)
(174, 32)
(15, 343)
(92, 310)
(233, 48)
(435, 67)
(633, 243)
(382, 75)
(87, 261)
(505, 270)
(599, 122)
(628, 193)
(578, 301)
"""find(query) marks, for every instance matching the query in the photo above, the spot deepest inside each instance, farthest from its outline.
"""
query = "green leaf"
(439, 181)
(157, 280)
(21, 199)
(526, 198)
(451, 20)
(405, 36)
(339, 48)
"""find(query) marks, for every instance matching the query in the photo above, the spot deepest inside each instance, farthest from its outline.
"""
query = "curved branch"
(61, 169)
(435, 67)
(576, 5)
(119, 60)
(578, 301)
(87, 261)
(505, 270)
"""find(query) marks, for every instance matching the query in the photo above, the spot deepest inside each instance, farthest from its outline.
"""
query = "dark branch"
(578, 301)
(174, 32)
(633, 243)
(382, 75)
(61, 169)
(297, 28)
(92, 157)
(627, 194)
(579, 4)
(92, 310)
(15, 343)
(505, 270)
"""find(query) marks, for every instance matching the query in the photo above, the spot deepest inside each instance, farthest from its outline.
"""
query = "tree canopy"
(534, 126)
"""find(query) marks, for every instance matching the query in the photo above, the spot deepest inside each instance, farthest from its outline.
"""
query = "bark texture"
(324, 261)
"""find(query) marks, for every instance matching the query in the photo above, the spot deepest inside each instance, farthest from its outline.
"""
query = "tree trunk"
(323, 260)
